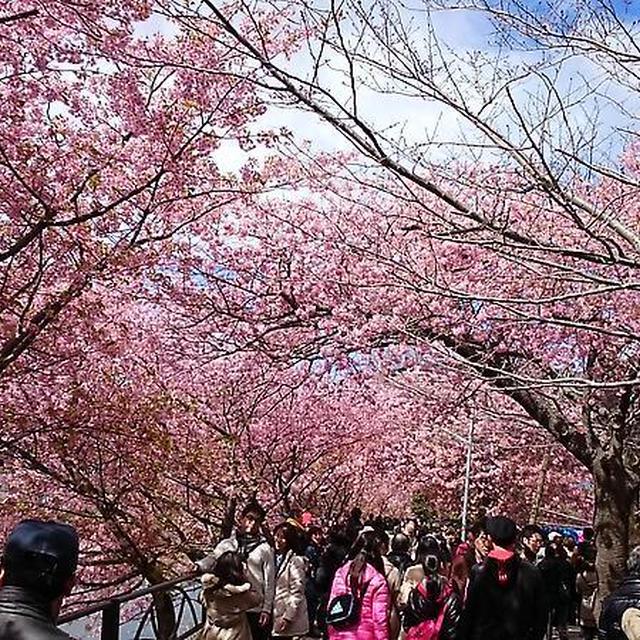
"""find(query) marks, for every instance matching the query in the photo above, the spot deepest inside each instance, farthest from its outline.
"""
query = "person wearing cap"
(505, 597)
(39, 563)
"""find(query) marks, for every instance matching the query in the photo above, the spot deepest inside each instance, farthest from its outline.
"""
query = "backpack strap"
(358, 594)
(441, 615)
(445, 592)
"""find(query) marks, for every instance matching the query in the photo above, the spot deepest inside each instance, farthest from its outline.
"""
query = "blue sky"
(463, 31)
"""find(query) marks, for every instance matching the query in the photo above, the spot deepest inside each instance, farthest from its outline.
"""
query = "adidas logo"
(337, 608)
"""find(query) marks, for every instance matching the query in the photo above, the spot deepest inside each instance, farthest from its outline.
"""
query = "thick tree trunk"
(614, 502)
(165, 616)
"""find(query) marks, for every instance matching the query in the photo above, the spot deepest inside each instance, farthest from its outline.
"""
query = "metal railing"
(173, 613)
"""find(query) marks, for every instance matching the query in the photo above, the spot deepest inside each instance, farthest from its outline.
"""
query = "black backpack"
(344, 610)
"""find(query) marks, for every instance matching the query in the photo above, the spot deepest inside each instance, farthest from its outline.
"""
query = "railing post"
(111, 621)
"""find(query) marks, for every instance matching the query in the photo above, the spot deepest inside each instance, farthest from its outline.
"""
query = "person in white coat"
(290, 616)
(227, 594)
(258, 554)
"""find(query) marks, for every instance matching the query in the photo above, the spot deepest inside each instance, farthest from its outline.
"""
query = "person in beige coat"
(290, 617)
(394, 582)
(227, 594)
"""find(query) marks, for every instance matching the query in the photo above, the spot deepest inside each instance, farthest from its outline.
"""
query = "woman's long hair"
(294, 537)
(229, 569)
(365, 550)
(429, 554)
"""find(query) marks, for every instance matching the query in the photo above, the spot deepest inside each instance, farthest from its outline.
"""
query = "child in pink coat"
(366, 573)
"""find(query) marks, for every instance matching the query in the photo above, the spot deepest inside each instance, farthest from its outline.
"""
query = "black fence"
(166, 611)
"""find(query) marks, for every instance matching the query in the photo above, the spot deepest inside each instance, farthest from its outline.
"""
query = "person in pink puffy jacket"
(364, 574)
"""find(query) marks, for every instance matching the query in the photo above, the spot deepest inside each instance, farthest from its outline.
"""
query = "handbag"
(344, 610)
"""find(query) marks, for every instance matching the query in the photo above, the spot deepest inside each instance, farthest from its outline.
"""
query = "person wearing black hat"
(505, 598)
(39, 562)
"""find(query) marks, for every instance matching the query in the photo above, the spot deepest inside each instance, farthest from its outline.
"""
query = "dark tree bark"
(615, 498)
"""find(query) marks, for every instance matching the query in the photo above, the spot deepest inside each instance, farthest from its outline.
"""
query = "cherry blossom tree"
(177, 337)
(517, 257)
(105, 153)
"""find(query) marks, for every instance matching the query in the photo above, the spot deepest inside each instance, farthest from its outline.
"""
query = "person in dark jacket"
(626, 596)
(505, 597)
(480, 544)
(587, 548)
(313, 554)
(531, 543)
(557, 576)
(331, 560)
(399, 555)
(39, 562)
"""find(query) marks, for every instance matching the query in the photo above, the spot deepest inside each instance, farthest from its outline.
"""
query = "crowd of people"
(374, 580)
(385, 580)
(381, 579)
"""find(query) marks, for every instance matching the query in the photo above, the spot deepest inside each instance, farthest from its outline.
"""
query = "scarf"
(502, 558)
(247, 544)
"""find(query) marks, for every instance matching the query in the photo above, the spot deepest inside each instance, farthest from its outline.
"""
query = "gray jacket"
(24, 616)
(259, 564)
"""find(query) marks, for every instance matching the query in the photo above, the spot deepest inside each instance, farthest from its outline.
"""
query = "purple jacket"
(374, 611)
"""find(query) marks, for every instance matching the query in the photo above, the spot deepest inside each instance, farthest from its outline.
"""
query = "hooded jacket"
(25, 616)
(505, 600)
(259, 557)
(226, 609)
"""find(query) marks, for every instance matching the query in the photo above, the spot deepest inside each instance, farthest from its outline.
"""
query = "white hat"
(553, 535)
